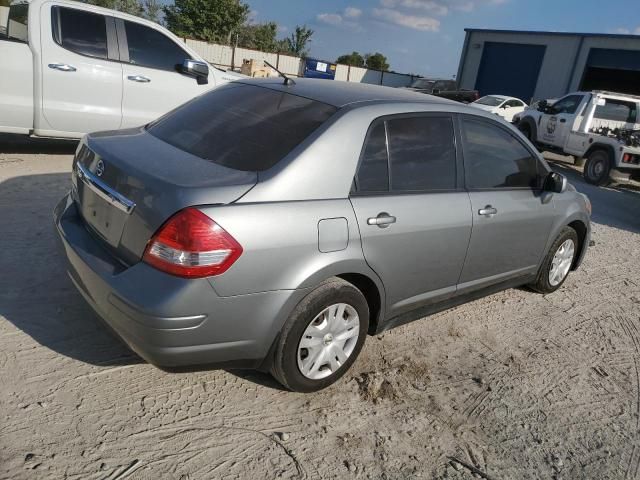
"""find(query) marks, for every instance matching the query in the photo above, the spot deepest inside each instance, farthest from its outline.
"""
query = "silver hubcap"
(328, 341)
(561, 262)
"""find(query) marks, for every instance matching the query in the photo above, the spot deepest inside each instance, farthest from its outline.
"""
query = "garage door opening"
(613, 80)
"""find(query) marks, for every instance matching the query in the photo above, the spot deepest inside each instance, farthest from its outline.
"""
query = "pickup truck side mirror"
(555, 182)
(542, 106)
(197, 69)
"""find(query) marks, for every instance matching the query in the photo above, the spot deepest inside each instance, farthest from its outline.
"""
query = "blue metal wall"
(509, 69)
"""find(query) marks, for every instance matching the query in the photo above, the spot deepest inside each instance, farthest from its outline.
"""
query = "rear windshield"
(242, 126)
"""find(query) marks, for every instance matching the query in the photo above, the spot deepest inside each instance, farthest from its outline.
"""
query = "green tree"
(297, 43)
(354, 59)
(208, 20)
(260, 36)
(376, 61)
(151, 10)
(134, 7)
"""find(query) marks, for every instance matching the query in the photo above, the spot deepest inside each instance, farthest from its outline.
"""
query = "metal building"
(537, 65)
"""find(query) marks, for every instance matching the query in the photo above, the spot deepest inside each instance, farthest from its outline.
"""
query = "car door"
(511, 216)
(81, 76)
(152, 82)
(413, 215)
(556, 125)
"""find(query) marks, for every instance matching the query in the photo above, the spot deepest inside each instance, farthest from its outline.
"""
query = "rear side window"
(419, 151)
(242, 126)
(81, 32)
(150, 48)
(494, 158)
(422, 153)
(617, 111)
(373, 174)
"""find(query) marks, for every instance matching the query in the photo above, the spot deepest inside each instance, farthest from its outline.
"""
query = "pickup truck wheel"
(526, 131)
(597, 167)
(322, 337)
(557, 263)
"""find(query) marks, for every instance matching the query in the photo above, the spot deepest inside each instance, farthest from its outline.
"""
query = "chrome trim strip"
(104, 191)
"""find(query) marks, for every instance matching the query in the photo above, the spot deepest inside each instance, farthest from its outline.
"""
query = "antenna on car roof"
(286, 79)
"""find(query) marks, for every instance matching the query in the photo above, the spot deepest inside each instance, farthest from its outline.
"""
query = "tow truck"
(600, 129)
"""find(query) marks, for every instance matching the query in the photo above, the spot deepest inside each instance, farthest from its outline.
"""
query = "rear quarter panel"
(280, 246)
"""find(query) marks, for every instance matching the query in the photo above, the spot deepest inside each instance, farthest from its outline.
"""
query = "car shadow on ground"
(36, 295)
(617, 206)
(23, 144)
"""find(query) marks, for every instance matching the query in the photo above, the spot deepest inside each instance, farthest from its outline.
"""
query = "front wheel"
(597, 168)
(557, 263)
(322, 337)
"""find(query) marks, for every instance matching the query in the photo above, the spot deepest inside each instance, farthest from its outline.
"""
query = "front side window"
(81, 32)
(617, 111)
(243, 127)
(494, 158)
(567, 104)
(150, 48)
(13, 22)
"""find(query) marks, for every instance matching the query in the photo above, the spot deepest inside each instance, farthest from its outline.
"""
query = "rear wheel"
(598, 167)
(322, 337)
(557, 263)
(526, 131)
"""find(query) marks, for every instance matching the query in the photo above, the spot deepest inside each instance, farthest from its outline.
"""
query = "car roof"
(340, 94)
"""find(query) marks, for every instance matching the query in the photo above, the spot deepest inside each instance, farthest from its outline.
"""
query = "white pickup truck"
(69, 68)
(601, 128)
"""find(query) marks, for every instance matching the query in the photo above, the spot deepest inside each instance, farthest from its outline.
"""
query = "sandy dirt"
(514, 386)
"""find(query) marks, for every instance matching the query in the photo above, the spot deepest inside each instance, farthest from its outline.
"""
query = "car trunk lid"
(128, 183)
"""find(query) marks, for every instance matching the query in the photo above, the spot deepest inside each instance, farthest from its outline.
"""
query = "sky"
(426, 36)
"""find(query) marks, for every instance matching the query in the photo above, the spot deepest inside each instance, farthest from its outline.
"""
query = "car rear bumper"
(167, 320)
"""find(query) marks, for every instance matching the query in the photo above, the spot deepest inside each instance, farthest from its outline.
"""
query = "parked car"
(443, 88)
(70, 68)
(234, 231)
(600, 129)
(505, 107)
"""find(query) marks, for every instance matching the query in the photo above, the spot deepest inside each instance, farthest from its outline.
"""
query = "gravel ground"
(514, 386)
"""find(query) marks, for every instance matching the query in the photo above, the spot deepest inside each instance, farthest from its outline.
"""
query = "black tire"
(598, 167)
(285, 363)
(542, 283)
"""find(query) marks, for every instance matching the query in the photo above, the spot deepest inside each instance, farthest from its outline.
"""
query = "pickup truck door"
(556, 126)
(81, 77)
(152, 84)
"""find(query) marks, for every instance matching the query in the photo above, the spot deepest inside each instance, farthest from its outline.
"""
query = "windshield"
(490, 101)
(240, 126)
(422, 83)
(13, 20)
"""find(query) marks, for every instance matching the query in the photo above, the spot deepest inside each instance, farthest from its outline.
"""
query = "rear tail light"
(192, 245)
(627, 158)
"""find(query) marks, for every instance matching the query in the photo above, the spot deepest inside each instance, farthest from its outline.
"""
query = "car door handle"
(487, 211)
(383, 220)
(63, 67)
(139, 78)
(563, 120)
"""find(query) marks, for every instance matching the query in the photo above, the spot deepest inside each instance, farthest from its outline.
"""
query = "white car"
(69, 68)
(506, 107)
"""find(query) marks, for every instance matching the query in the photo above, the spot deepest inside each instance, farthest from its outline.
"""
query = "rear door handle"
(139, 78)
(383, 220)
(487, 211)
(63, 67)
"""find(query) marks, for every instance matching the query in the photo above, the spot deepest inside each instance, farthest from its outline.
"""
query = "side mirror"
(555, 182)
(197, 69)
(543, 105)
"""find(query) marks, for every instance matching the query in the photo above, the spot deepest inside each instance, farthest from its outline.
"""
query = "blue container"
(318, 69)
